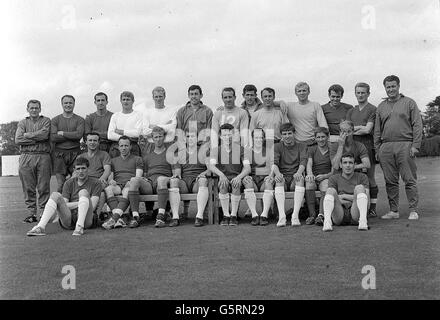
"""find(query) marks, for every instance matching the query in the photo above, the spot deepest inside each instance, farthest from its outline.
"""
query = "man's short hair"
(228, 89)
(158, 129)
(33, 101)
(302, 84)
(101, 94)
(81, 160)
(391, 78)
(124, 138)
(336, 88)
(158, 89)
(323, 130)
(362, 85)
(67, 96)
(195, 87)
(270, 90)
(249, 87)
(226, 126)
(93, 133)
(287, 127)
(347, 155)
(344, 123)
(127, 94)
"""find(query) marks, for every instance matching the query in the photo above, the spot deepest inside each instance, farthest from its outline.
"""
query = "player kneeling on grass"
(346, 201)
(75, 206)
(319, 170)
(290, 159)
(124, 167)
(190, 176)
(158, 172)
(229, 162)
(259, 180)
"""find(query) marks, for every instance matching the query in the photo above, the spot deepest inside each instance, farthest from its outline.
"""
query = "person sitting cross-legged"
(347, 198)
(158, 172)
(76, 204)
(230, 163)
(290, 159)
(124, 167)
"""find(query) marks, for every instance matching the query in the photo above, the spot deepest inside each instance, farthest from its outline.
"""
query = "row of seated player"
(345, 200)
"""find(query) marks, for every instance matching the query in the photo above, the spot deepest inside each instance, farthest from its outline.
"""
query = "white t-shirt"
(131, 123)
(164, 118)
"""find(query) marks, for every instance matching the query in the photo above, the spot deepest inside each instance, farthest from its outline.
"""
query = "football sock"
(329, 205)
(224, 201)
(235, 202)
(83, 208)
(251, 200)
(174, 201)
(49, 211)
(280, 198)
(162, 198)
(133, 197)
(267, 202)
(362, 203)
(202, 200)
(298, 198)
(311, 200)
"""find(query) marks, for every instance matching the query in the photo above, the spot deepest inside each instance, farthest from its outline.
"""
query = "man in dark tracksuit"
(397, 138)
(32, 136)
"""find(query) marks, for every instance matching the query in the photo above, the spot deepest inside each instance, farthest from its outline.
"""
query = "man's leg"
(123, 204)
(391, 174)
(56, 203)
(28, 178)
(323, 186)
(408, 172)
(310, 201)
(235, 203)
(267, 200)
(224, 202)
(162, 198)
(177, 186)
(134, 192)
(298, 198)
(201, 187)
(251, 199)
(333, 211)
(359, 207)
(111, 192)
(280, 198)
(85, 213)
(374, 190)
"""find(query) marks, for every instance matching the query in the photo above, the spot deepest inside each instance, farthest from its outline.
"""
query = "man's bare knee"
(310, 185)
(174, 183)
(332, 192)
(162, 182)
(359, 189)
(203, 182)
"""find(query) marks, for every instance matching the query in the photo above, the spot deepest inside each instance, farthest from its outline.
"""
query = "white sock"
(83, 207)
(362, 203)
(280, 198)
(135, 214)
(329, 205)
(174, 201)
(235, 203)
(251, 200)
(267, 202)
(298, 198)
(49, 211)
(202, 200)
(224, 201)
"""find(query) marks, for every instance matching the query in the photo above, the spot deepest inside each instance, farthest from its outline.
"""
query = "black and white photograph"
(215, 155)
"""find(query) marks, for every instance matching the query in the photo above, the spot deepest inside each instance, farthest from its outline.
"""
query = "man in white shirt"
(127, 122)
(159, 115)
(305, 115)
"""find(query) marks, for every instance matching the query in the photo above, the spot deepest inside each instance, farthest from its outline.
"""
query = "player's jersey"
(346, 186)
(321, 162)
(157, 164)
(71, 188)
(289, 158)
(125, 169)
(97, 163)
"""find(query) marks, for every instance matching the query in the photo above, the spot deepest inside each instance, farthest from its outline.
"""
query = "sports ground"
(214, 262)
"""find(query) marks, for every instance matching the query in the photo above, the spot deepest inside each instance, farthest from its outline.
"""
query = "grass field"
(228, 263)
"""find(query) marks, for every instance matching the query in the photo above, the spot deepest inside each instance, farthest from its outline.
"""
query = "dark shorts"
(347, 220)
(288, 183)
(259, 181)
(74, 219)
(190, 181)
(63, 161)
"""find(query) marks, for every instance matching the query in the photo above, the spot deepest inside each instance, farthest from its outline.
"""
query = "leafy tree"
(7, 138)
(431, 118)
